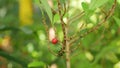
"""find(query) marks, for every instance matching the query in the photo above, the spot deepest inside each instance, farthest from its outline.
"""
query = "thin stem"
(75, 34)
(65, 33)
(63, 28)
(68, 65)
(68, 57)
(46, 27)
(47, 32)
(75, 17)
(98, 25)
(77, 47)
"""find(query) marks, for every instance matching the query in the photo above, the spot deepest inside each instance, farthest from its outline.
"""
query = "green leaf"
(105, 51)
(47, 9)
(85, 6)
(36, 64)
(88, 12)
(15, 59)
(112, 57)
(118, 1)
(117, 20)
(97, 3)
(62, 1)
(56, 18)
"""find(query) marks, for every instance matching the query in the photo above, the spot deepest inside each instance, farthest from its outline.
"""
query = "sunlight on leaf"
(97, 3)
(30, 47)
(89, 55)
(117, 65)
(118, 1)
(36, 64)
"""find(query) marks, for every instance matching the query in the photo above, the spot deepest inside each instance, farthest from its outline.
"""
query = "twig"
(68, 65)
(74, 18)
(64, 10)
(47, 31)
(99, 39)
(52, 52)
(74, 35)
(65, 33)
(99, 24)
(46, 27)
(63, 28)
(78, 46)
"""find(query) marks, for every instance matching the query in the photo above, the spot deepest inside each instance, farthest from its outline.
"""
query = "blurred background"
(23, 40)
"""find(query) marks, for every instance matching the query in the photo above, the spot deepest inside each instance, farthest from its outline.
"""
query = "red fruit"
(54, 40)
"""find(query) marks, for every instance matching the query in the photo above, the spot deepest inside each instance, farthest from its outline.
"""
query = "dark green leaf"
(47, 9)
(85, 6)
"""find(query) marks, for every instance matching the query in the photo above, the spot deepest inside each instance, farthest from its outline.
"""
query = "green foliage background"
(100, 49)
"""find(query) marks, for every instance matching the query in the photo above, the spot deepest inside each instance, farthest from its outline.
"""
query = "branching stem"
(110, 12)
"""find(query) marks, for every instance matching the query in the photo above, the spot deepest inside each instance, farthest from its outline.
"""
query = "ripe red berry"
(54, 40)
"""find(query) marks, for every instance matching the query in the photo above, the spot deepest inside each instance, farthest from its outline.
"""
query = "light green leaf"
(118, 1)
(97, 3)
(47, 9)
(117, 20)
(36, 64)
(56, 18)
(88, 12)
